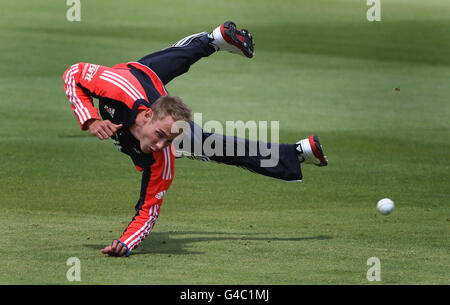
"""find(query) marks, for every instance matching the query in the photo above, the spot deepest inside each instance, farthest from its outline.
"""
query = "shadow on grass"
(176, 243)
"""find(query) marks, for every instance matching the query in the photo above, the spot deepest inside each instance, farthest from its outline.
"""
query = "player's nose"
(160, 145)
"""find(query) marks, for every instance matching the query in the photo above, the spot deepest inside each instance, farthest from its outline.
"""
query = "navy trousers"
(274, 160)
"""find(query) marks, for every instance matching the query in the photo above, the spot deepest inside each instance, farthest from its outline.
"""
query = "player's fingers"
(98, 135)
(101, 134)
(122, 251)
(108, 130)
(117, 127)
(106, 250)
(113, 127)
(118, 249)
(94, 132)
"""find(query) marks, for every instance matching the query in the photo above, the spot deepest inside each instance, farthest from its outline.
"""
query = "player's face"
(157, 135)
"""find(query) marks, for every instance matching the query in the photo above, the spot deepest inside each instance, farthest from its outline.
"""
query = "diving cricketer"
(142, 119)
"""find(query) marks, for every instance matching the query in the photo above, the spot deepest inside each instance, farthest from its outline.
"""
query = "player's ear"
(148, 115)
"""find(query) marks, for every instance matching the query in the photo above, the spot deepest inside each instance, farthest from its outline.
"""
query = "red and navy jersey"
(124, 83)
(123, 90)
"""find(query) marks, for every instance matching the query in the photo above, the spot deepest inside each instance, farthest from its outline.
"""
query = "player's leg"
(177, 59)
(280, 161)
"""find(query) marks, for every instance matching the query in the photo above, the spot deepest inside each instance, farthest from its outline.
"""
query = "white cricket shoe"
(310, 151)
(227, 37)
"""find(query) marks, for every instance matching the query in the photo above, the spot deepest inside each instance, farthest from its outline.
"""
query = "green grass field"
(377, 93)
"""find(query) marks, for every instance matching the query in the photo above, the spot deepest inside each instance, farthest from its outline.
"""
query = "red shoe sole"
(317, 149)
(229, 28)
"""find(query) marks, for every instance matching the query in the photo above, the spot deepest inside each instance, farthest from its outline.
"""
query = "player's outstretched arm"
(138, 229)
(154, 185)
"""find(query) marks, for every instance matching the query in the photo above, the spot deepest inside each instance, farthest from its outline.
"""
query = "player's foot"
(310, 151)
(227, 37)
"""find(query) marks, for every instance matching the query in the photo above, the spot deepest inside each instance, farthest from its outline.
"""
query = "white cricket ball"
(385, 206)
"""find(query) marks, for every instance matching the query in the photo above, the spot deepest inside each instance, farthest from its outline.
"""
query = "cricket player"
(143, 120)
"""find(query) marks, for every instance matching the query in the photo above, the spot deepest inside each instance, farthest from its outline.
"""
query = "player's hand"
(115, 249)
(102, 129)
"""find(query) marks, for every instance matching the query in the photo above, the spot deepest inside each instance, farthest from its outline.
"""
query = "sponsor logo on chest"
(90, 72)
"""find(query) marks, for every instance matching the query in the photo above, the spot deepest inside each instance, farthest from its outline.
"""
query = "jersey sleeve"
(141, 225)
(83, 81)
(155, 183)
(80, 84)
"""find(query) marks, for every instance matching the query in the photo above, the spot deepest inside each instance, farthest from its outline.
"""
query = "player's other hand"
(102, 129)
(116, 248)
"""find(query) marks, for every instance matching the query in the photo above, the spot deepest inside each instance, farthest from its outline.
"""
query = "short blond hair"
(173, 106)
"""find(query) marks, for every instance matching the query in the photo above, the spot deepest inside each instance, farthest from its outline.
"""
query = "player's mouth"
(147, 149)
